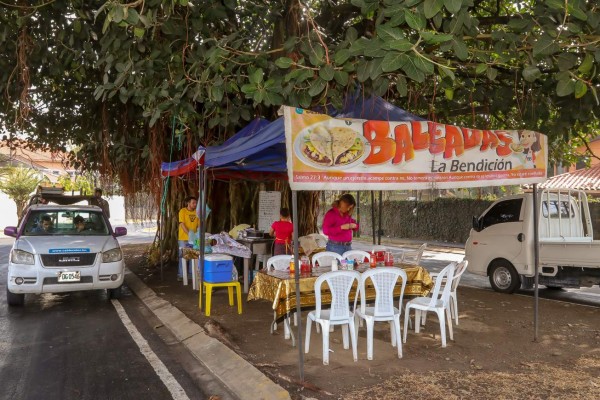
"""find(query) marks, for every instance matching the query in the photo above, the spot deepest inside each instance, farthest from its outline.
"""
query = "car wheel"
(115, 293)
(504, 277)
(15, 299)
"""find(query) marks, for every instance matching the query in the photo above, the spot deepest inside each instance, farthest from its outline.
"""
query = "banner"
(325, 153)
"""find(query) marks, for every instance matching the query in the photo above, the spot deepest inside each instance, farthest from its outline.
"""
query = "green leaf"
(284, 62)
(446, 72)
(392, 61)
(326, 72)
(587, 64)
(256, 76)
(460, 49)
(518, 24)
(351, 34)
(400, 45)
(273, 99)
(566, 61)
(449, 92)
(577, 12)
(381, 86)
(565, 87)
(410, 68)
(341, 77)
(545, 46)
(580, 89)
(249, 88)
(341, 56)
(362, 72)
(453, 6)
(432, 7)
(139, 32)
(387, 33)
(531, 73)
(555, 4)
(415, 20)
(492, 73)
(401, 86)
(423, 64)
(434, 38)
(317, 87)
(481, 68)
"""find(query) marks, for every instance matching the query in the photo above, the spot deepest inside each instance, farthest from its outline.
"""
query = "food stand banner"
(326, 153)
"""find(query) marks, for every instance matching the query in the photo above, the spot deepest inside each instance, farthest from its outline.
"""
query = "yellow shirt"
(190, 220)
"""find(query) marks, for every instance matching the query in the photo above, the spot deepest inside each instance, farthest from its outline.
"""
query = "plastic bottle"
(292, 265)
(373, 260)
(334, 264)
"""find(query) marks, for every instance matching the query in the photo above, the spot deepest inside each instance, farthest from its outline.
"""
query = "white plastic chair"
(359, 255)
(384, 281)
(439, 302)
(325, 258)
(340, 283)
(413, 257)
(460, 269)
(279, 263)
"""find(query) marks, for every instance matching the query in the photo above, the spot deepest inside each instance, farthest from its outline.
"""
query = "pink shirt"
(332, 226)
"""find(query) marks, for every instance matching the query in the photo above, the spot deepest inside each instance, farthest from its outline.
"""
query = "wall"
(446, 220)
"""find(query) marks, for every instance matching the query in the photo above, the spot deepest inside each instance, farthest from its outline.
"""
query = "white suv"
(64, 249)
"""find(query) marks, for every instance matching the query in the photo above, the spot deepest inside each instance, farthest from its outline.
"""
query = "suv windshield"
(65, 222)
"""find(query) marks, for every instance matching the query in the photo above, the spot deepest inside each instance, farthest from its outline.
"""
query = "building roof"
(583, 179)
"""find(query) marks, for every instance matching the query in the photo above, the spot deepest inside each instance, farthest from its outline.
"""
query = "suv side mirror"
(11, 231)
(476, 225)
(120, 231)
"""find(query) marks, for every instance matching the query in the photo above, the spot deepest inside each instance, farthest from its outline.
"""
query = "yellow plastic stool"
(229, 285)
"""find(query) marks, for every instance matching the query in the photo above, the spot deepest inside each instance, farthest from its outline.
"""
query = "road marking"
(161, 370)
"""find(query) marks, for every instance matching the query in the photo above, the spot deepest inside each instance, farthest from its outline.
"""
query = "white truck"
(501, 242)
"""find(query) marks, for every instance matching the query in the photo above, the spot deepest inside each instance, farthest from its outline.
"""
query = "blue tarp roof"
(259, 147)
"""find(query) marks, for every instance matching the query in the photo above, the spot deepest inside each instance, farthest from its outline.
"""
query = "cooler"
(218, 268)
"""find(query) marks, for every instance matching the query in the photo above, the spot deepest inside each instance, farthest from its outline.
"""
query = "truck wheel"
(503, 277)
(15, 299)
(115, 293)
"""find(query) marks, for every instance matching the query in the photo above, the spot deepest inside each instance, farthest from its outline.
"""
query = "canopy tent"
(325, 153)
(258, 151)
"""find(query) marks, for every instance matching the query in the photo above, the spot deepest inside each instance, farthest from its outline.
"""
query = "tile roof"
(582, 179)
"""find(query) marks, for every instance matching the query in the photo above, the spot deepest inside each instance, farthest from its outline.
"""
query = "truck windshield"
(65, 222)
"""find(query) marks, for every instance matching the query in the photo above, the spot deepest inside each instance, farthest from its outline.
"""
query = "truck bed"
(573, 253)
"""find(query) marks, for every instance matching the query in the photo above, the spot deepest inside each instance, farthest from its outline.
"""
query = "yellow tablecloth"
(279, 287)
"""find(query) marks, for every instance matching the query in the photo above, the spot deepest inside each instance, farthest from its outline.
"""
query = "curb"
(239, 376)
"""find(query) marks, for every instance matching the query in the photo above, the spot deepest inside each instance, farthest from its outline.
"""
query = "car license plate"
(74, 276)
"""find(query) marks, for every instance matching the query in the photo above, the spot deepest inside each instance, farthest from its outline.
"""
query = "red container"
(380, 255)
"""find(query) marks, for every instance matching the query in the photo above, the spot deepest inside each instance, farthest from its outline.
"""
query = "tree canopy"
(118, 79)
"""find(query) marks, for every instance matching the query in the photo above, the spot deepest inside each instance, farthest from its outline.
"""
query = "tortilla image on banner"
(322, 141)
(346, 146)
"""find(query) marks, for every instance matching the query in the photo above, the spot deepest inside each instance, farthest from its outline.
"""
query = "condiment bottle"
(334, 264)
(292, 265)
(373, 260)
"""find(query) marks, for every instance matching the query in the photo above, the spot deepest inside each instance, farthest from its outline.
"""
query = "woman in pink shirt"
(282, 230)
(338, 224)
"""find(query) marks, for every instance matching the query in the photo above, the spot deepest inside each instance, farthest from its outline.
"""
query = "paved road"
(83, 346)
(436, 260)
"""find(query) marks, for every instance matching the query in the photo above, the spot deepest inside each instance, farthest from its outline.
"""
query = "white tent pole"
(536, 260)
(297, 279)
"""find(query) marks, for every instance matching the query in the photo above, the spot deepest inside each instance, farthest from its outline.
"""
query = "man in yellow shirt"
(188, 221)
